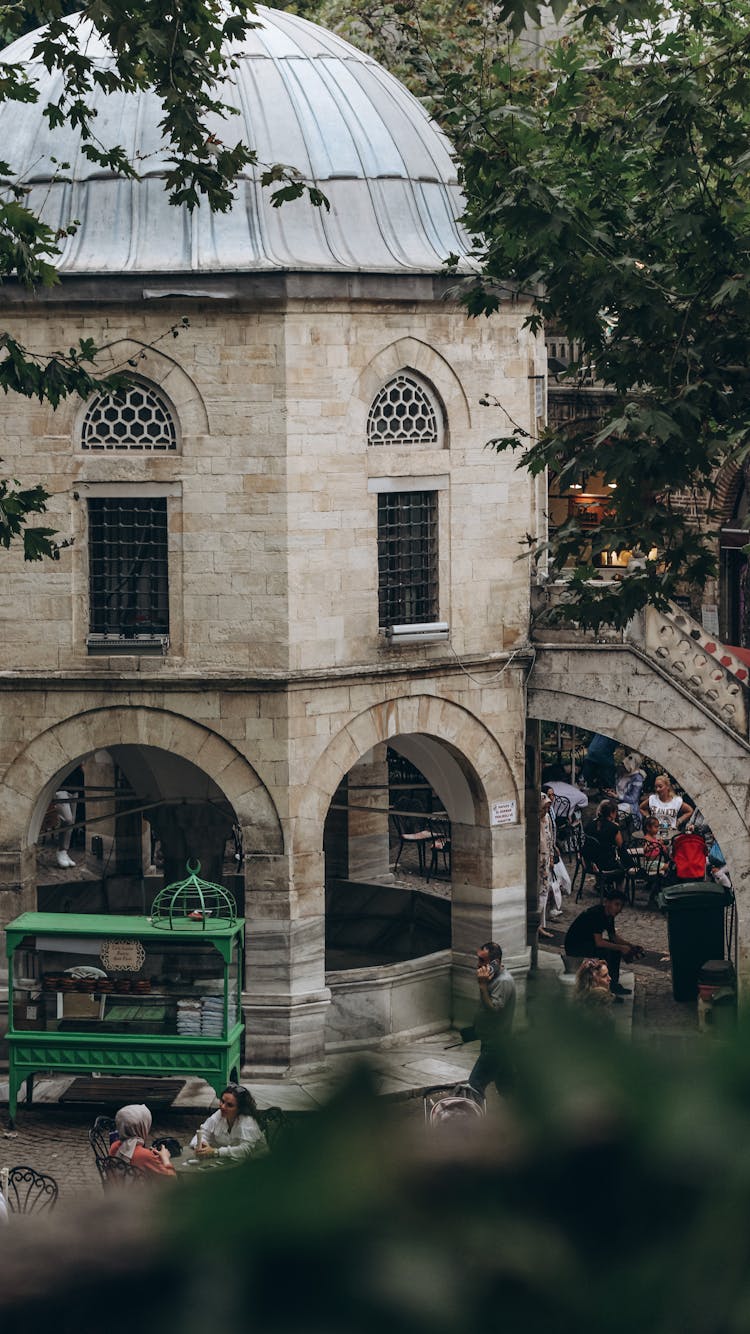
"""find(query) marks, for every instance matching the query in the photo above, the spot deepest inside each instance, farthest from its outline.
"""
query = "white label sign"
(503, 812)
(122, 956)
(710, 618)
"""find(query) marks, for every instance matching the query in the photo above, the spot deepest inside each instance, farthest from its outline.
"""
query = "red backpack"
(689, 856)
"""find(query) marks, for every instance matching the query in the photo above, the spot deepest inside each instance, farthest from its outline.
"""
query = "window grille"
(128, 585)
(137, 418)
(403, 414)
(407, 558)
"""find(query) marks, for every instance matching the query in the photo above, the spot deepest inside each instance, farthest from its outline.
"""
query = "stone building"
(291, 554)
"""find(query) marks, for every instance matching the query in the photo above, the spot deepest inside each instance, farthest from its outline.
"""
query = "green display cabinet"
(124, 996)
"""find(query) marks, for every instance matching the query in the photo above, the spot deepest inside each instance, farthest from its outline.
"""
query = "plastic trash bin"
(695, 927)
(717, 996)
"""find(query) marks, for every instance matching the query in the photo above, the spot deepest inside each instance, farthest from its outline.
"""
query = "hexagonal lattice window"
(137, 418)
(403, 413)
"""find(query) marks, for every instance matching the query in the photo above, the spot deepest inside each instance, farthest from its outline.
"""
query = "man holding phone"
(494, 1019)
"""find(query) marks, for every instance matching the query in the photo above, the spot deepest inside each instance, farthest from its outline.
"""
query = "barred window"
(403, 413)
(128, 585)
(137, 418)
(407, 557)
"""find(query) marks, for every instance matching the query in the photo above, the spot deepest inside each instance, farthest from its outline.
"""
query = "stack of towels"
(189, 1017)
(212, 1019)
(204, 1016)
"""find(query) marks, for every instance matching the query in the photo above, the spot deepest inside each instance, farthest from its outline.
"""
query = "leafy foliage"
(609, 183)
(178, 50)
(422, 42)
(606, 175)
(614, 1185)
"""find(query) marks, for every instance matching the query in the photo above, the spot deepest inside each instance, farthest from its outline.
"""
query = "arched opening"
(388, 857)
(412, 873)
(122, 821)
(651, 809)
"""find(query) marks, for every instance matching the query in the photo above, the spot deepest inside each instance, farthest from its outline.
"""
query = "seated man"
(593, 934)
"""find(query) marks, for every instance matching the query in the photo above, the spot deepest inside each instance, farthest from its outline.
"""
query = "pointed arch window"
(136, 419)
(405, 412)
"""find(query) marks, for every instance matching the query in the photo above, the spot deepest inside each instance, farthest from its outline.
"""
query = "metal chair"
(28, 1191)
(119, 1172)
(99, 1139)
(441, 846)
(589, 857)
(575, 846)
(408, 832)
(274, 1123)
(561, 812)
(645, 873)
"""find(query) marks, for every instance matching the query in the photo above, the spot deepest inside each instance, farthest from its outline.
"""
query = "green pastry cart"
(119, 995)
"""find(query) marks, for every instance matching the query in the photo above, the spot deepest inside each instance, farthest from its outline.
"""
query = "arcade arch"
(350, 795)
(622, 694)
(189, 782)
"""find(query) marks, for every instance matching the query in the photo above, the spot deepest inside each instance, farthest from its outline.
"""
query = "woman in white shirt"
(670, 810)
(232, 1133)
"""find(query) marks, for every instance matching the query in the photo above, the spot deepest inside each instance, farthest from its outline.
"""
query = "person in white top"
(232, 1133)
(668, 808)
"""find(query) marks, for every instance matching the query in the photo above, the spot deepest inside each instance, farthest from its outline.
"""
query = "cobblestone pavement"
(53, 1139)
(656, 1015)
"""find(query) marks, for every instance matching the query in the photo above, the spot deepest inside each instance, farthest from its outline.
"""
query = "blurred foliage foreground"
(612, 1190)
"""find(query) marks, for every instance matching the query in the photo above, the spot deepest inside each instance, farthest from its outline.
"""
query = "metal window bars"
(136, 418)
(407, 558)
(128, 568)
(403, 413)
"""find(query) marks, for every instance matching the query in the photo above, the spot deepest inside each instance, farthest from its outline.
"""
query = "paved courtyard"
(52, 1135)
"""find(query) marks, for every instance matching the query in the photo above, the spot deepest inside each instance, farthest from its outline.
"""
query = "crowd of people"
(623, 818)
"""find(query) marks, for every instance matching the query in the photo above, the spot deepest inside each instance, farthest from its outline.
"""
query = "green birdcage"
(192, 904)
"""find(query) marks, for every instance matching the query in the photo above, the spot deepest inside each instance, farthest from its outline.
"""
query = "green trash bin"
(695, 928)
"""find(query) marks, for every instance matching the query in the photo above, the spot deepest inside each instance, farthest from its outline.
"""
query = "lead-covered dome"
(305, 98)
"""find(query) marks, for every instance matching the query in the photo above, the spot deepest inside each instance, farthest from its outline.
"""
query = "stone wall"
(277, 681)
(272, 529)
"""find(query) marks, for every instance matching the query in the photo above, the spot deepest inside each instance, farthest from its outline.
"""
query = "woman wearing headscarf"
(546, 861)
(133, 1125)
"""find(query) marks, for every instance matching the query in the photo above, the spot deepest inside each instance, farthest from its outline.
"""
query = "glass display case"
(122, 995)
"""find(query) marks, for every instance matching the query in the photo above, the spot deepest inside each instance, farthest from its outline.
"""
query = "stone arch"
(474, 771)
(668, 736)
(412, 354)
(152, 366)
(32, 778)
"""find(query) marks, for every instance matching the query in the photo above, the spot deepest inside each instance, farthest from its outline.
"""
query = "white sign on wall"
(503, 812)
(710, 618)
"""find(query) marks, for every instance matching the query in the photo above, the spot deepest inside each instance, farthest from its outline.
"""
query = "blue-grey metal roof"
(305, 97)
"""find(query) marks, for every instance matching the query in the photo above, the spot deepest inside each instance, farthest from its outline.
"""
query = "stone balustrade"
(679, 645)
(709, 670)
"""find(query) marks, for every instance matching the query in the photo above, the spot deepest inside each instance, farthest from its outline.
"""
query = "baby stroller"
(689, 856)
(453, 1103)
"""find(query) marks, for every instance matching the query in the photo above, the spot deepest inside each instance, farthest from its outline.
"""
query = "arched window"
(404, 412)
(137, 418)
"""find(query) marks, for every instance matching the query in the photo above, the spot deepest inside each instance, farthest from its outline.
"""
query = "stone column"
(489, 903)
(368, 844)
(285, 998)
(17, 895)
